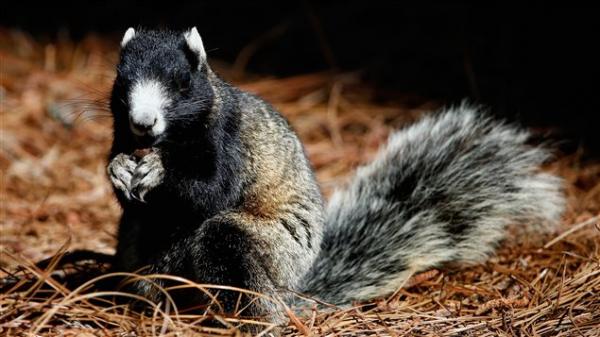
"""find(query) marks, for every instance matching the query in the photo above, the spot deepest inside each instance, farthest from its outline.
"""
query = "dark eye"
(183, 81)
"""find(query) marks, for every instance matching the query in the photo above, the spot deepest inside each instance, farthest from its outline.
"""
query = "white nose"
(148, 101)
(142, 126)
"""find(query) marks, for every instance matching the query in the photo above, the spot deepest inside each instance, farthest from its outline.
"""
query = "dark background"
(534, 62)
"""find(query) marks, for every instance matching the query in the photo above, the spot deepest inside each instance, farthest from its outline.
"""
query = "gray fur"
(442, 190)
(120, 170)
(147, 175)
(227, 195)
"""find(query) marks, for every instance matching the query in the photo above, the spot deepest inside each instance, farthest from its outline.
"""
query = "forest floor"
(55, 135)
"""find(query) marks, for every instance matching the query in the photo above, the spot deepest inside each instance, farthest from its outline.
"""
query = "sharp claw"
(135, 196)
(139, 186)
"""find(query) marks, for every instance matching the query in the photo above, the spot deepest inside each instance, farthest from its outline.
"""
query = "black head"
(161, 89)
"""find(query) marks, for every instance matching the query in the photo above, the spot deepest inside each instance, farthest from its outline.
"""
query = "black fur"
(199, 148)
(206, 220)
(232, 200)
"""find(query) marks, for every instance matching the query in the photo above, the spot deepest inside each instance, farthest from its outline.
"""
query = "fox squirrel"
(226, 195)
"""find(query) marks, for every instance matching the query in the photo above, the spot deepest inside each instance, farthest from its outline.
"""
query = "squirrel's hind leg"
(237, 250)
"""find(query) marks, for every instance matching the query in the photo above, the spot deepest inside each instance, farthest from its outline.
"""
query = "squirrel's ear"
(129, 34)
(194, 42)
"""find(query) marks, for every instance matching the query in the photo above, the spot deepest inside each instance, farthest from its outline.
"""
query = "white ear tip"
(194, 41)
(129, 34)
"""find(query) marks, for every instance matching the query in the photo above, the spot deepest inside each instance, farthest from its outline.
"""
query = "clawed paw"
(148, 174)
(136, 178)
(120, 170)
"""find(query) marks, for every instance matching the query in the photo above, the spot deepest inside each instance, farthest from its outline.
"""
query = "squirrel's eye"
(183, 82)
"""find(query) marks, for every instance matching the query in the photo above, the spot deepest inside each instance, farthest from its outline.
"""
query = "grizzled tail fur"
(442, 190)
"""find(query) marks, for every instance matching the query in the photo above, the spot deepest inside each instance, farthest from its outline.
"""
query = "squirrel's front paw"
(147, 175)
(120, 171)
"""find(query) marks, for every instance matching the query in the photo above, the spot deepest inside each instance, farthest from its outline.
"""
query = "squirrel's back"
(442, 190)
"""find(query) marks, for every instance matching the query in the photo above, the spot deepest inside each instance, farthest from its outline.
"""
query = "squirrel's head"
(161, 85)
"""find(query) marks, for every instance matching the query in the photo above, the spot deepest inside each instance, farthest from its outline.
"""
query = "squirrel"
(226, 194)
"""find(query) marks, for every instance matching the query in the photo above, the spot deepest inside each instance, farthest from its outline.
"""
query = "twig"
(570, 231)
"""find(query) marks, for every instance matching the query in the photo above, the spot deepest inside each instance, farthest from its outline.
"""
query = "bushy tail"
(442, 190)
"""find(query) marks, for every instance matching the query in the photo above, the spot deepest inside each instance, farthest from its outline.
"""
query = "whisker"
(82, 118)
